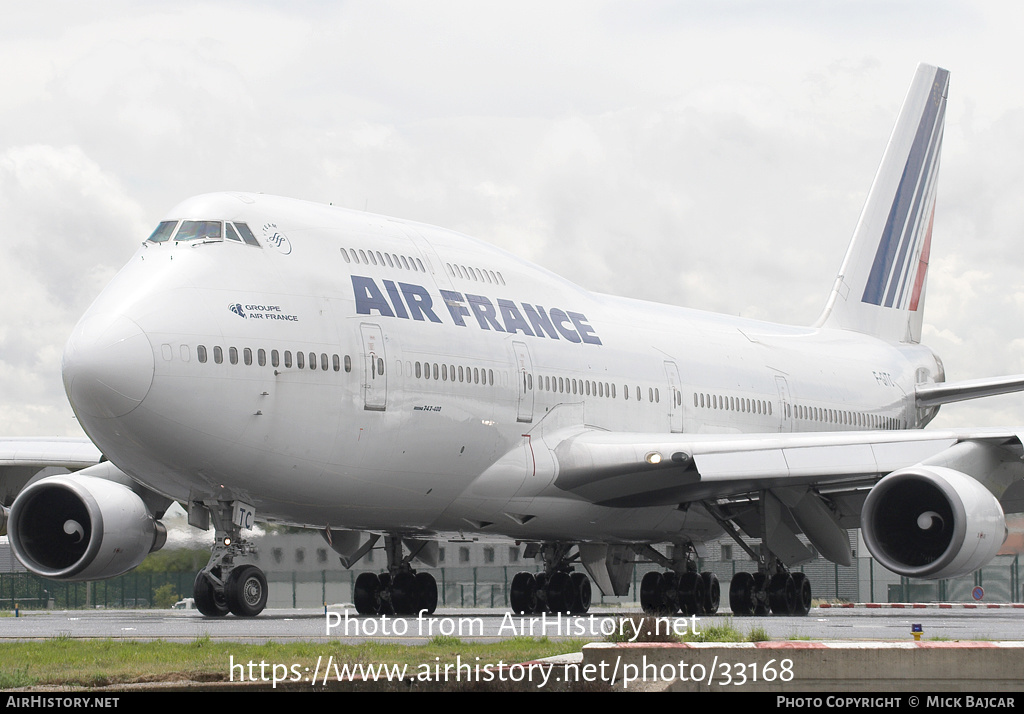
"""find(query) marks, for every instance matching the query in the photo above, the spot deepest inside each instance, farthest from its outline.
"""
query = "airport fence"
(488, 586)
(132, 590)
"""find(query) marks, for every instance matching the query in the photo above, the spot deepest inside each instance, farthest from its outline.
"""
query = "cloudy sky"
(708, 154)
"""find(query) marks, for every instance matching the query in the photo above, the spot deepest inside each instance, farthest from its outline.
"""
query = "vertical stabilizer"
(880, 287)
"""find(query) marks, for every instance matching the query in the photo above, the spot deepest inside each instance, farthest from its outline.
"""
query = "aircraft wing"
(630, 470)
(930, 503)
(22, 458)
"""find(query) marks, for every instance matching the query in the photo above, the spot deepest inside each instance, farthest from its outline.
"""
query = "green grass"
(658, 629)
(719, 631)
(759, 634)
(64, 660)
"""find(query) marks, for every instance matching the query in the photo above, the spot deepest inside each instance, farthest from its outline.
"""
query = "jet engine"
(932, 522)
(81, 528)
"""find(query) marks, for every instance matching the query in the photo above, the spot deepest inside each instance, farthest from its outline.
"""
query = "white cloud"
(710, 155)
(67, 226)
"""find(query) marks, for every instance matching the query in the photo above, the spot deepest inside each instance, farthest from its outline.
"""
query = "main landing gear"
(773, 588)
(399, 591)
(679, 588)
(781, 593)
(225, 586)
(557, 590)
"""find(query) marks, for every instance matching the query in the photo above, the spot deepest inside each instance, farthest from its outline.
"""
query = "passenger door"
(375, 381)
(524, 381)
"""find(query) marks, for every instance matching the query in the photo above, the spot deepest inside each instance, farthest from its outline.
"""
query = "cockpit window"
(246, 234)
(163, 231)
(199, 230)
(203, 231)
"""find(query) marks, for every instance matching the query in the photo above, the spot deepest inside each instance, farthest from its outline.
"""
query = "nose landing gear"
(225, 586)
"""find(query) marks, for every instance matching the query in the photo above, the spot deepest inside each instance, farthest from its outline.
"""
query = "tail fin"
(880, 287)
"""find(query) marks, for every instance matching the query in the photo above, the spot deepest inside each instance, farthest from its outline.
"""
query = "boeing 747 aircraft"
(263, 358)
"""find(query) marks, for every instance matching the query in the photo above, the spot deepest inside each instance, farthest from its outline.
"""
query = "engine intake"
(932, 522)
(82, 528)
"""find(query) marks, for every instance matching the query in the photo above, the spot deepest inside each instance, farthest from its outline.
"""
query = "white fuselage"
(425, 376)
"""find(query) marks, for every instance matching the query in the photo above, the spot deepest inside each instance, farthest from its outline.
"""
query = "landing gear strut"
(773, 588)
(559, 589)
(400, 591)
(679, 588)
(225, 586)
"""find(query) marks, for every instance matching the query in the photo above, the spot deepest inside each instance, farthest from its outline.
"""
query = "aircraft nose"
(108, 366)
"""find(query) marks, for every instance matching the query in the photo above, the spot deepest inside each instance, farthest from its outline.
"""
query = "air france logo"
(261, 312)
(414, 302)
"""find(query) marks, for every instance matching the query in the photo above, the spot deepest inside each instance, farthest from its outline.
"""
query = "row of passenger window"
(545, 383)
(734, 404)
(390, 260)
(803, 412)
(586, 387)
(422, 370)
(203, 230)
(300, 360)
(452, 373)
(480, 276)
(846, 418)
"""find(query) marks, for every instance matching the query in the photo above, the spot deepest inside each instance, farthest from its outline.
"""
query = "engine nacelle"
(932, 522)
(81, 528)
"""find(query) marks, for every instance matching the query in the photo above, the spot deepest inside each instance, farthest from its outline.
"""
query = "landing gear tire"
(366, 594)
(246, 591)
(670, 595)
(802, 586)
(522, 594)
(741, 594)
(386, 606)
(690, 593)
(208, 601)
(761, 594)
(426, 593)
(560, 593)
(712, 593)
(782, 594)
(403, 593)
(581, 593)
(652, 593)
